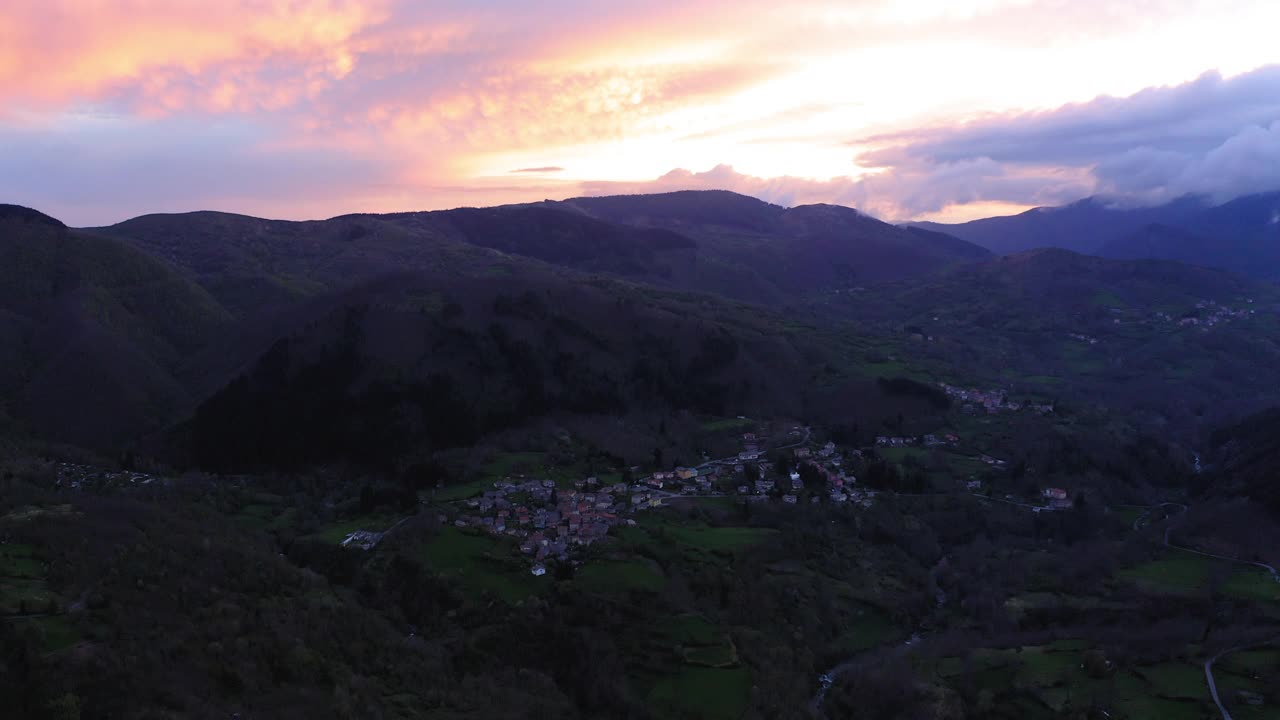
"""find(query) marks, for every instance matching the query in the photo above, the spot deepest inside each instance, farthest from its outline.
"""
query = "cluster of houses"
(840, 486)
(947, 439)
(690, 481)
(992, 401)
(1209, 313)
(548, 521)
(76, 477)
(1057, 498)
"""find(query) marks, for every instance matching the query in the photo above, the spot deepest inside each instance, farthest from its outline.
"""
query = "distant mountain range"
(113, 333)
(1242, 235)
(255, 342)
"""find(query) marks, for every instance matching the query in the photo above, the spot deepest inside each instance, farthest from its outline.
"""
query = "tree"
(64, 707)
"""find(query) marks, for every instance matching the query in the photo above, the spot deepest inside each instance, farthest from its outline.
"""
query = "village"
(550, 522)
(991, 401)
(81, 477)
(1209, 313)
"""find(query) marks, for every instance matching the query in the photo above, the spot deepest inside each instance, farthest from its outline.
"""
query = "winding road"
(1208, 672)
(1169, 529)
(1208, 664)
(827, 679)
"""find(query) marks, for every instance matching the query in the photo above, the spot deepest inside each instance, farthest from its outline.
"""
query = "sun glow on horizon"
(443, 102)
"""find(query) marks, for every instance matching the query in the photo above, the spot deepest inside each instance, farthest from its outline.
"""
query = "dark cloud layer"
(1214, 136)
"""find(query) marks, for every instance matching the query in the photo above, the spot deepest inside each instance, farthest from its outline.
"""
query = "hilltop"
(93, 332)
(1165, 338)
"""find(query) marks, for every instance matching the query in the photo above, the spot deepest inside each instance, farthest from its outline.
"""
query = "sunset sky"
(941, 110)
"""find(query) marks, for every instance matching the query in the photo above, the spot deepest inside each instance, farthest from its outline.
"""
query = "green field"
(1136, 698)
(691, 630)
(1128, 514)
(728, 424)
(1183, 572)
(1106, 298)
(702, 693)
(1042, 379)
(1054, 675)
(334, 533)
(718, 655)
(1250, 671)
(19, 561)
(502, 466)
(461, 491)
(867, 628)
(899, 454)
(1178, 681)
(507, 463)
(483, 563)
(1251, 661)
(56, 632)
(22, 584)
(719, 539)
(620, 575)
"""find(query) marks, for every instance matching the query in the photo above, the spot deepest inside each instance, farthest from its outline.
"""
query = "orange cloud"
(438, 97)
(176, 54)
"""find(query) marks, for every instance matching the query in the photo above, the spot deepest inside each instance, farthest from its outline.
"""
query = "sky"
(944, 110)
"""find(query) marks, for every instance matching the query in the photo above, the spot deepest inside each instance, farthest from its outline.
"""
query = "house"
(827, 450)
(539, 569)
(973, 485)
(686, 473)
(789, 499)
(1054, 494)
(802, 452)
(362, 539)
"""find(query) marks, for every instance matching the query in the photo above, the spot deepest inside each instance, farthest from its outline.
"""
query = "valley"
(679, 456)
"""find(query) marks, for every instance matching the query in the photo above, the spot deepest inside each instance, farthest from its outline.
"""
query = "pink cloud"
(895, 194)
(178, 54)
